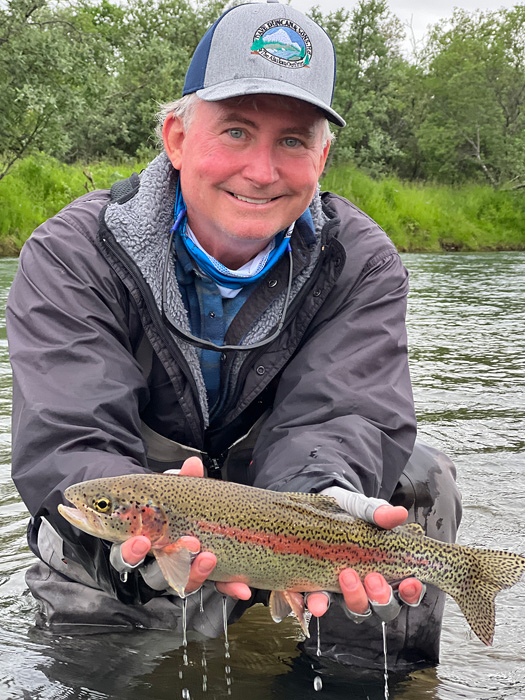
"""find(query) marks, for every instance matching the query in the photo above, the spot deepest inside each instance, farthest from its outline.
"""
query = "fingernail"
(205, 568)
(410, 590)
(376, 585)
(350, 579)
(138, 547)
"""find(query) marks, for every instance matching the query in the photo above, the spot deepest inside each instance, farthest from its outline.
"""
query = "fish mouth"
(86, 520)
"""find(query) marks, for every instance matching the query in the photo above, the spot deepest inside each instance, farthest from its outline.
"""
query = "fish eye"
(102, 505)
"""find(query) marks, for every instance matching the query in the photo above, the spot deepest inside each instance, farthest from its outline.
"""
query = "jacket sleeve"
(77, 388)
(343, 412)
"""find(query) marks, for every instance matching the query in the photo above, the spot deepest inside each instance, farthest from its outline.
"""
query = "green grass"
(432, 218)
(418, 217)
(39, 186)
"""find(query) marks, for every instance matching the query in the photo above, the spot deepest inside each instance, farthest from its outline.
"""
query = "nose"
(261, 165)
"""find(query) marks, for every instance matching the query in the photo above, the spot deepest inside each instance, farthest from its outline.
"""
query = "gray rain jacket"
(96, 371)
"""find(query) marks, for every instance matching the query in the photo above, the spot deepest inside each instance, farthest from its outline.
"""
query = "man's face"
(248, 169)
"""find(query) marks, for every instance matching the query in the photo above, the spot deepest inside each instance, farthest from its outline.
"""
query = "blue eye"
(236, 133)
(292, 142)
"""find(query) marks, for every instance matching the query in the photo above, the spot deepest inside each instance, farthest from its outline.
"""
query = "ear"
(173, 136)
(322, 160)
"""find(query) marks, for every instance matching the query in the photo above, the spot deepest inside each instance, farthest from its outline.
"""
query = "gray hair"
(184, 108)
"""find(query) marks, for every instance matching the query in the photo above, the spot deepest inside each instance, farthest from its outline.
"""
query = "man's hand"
(375, 590)
(134, 550)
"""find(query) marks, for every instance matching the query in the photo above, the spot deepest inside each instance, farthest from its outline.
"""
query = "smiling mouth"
(251, 200)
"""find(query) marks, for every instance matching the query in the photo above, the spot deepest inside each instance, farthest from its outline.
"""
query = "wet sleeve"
(77, 388)
(344, 414)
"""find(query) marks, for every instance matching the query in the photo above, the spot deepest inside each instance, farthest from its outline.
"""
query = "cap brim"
(265, 86)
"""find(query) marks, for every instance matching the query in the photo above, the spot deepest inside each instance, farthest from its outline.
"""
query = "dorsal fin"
(414, 528)
(318, 501)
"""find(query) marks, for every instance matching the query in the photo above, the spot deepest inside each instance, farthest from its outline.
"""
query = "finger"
(390, 516)
(381, 597)
(201, 568)
(190, 543)
(353, 591)
(411, 591)
(234, 589)
(377, 589)
(318, 603)
(193, 466)
(135, 549)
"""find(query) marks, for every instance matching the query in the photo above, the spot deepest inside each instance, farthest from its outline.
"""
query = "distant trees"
(452, 113)
(475, 82)
(40, 79)
(82, 79)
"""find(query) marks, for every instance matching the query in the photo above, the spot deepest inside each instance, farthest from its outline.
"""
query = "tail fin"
(489, 572)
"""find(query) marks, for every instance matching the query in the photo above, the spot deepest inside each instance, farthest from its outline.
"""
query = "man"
(218, 307)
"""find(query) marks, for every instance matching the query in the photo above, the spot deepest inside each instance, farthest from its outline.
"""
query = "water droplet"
(318, 683)
(186, 694)
(204, 664)
(184, 622)
(124, 576)
(387, 695)
(225, 619)
(318, 636)
(227, 669)
(201, 606)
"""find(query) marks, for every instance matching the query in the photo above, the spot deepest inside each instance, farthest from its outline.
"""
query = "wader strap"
(165, 451)
(162, 449)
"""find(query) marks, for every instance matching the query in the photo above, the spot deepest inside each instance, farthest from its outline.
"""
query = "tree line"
(82, 79)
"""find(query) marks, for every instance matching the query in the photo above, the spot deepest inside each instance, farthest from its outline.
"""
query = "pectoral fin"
(175, 562)
(282, 603)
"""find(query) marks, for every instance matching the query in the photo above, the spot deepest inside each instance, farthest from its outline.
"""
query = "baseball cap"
(267, 48)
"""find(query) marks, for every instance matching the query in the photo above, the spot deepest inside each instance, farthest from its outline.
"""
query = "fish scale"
(283, 542)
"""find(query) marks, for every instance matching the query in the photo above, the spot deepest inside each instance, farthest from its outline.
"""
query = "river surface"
(466, 326)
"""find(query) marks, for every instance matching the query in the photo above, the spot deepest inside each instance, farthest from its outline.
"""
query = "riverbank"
(418, 217)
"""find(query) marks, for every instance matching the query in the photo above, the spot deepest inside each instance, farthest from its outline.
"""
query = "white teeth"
(252, 201)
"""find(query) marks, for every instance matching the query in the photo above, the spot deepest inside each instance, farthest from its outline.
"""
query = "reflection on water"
(466, 321)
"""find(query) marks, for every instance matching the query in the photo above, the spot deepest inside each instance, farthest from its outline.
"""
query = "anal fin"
(175, 562)
(282, 603)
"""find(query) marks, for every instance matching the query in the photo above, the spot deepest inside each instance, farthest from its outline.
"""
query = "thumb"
(135, 549)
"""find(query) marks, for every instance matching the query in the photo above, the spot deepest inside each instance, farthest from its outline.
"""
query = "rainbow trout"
(283, 542)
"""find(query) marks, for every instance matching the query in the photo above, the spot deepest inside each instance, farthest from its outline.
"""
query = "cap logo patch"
(283, 42)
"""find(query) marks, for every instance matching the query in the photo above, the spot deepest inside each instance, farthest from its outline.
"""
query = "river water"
(466, 325)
